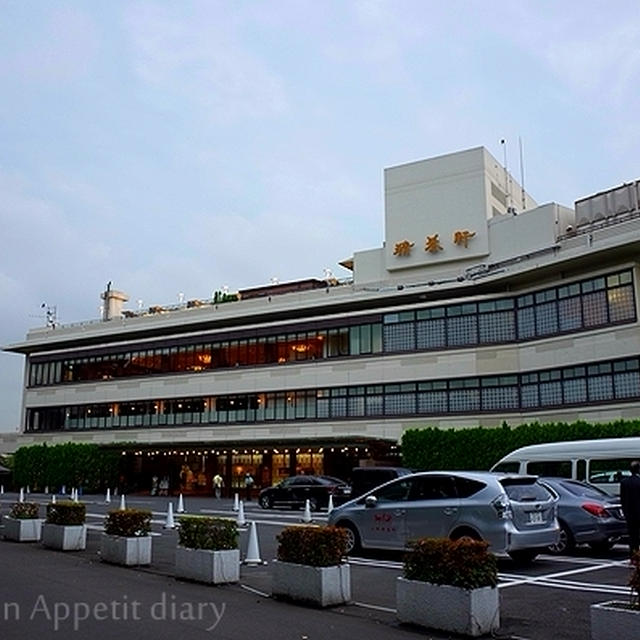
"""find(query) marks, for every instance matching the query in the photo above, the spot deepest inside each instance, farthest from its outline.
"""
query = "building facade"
(481, 306)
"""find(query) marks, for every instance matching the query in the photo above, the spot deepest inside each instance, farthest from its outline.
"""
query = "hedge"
(481, 447)
(75, 465)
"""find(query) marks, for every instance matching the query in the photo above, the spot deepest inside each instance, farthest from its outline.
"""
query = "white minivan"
(602, 462)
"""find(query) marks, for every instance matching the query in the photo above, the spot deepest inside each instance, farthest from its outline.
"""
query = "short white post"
(253, 548)
(236, 502)
(75, 495)
(107, 498)
(123, 503)
(330, 506)
(240, 521)
(21, 496)
(169, 522)
(1, 489)
(306, 516)
(180, 508)
(53, 498)
(46, 489)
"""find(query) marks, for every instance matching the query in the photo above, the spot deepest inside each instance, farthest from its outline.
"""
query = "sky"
(180, 147)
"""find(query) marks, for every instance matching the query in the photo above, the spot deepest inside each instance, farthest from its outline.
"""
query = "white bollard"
(1, 489)
(53, 498)
(28, 489)
(123, 503)
(170, 523)
(180, 508)
(306, 516)
(46, 489)
(253, 548)
(21, 496)
(330, 505)
(107, 498)
(240, 521)
(75, 495)
(236, 502)
(63, 490)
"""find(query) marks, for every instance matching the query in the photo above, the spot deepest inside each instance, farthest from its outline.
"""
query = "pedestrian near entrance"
(248, 484)
(630, 501)
(218, 483)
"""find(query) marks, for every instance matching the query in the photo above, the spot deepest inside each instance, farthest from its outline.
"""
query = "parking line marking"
(376, 607)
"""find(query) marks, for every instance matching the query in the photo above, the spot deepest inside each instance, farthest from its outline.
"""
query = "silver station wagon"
(513, 513)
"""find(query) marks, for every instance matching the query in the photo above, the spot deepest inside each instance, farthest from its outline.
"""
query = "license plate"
(535, 517)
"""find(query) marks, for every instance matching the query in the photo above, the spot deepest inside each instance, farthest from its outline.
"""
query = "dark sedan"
(295, 491)
(586, 514)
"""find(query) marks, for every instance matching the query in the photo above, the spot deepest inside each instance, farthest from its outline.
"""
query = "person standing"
(248, 484)
(218, 483)
(630, 501)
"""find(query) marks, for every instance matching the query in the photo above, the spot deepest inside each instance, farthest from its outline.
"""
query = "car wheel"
(524, 556)
(353, 537)
(601, 546)
(565, 544)
(266, 502)
(466, 533)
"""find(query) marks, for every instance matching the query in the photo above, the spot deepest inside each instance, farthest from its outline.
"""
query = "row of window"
(599, 383)
(565, 309)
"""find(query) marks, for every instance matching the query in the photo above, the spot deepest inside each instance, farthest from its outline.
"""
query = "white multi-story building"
(481, 306)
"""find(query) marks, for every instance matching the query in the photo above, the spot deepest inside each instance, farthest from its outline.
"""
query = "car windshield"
(525, 489)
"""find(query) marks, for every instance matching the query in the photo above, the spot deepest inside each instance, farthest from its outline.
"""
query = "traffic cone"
(107, 498)
(1, 489)
(253, 548)
(180, 508)
(46, 489)
(123, 504)
(21, 497)
(63, 490)
(240, 521)
(28, 489)
(306, 516)
(53, 498)
(169, 523)
(75, 495)
(236, 502)
(330, 505)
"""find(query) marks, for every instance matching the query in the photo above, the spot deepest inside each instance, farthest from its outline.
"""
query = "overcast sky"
(177, 147)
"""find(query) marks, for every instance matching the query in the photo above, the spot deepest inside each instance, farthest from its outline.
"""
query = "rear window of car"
(584, 490)
(467, 487)
(525, 490)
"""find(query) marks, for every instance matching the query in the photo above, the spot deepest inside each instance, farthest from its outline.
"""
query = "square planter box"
(64, 537)
(320, 586)
(468, 612)
(204, 565)
(125, 551)
(19, 530)
(614, 620)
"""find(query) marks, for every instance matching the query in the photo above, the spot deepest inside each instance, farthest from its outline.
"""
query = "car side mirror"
(370, 502)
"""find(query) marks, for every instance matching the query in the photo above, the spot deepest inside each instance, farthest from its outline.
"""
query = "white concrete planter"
(468, 612)
(204, 565)
(19, 530)
(64, 537)
(614, 620)
(125, 551)
(320, 586)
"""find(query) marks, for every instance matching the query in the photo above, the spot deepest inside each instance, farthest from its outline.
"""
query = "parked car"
(513, 513)
(586, 514)
(296, 490)
(364, 479)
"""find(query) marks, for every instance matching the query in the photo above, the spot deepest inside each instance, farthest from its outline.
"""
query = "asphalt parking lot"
(548, 600)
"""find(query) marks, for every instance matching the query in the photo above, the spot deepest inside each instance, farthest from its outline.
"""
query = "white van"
(602, 462)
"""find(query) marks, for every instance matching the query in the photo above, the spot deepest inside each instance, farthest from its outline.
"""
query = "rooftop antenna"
(51, 314)
(503, 142)
(524, 202)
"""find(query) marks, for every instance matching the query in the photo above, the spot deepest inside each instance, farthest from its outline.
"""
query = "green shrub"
(66, 512)
(313, 546)
(463, 563)
(129, 523)
(206, 532)
(24, 510)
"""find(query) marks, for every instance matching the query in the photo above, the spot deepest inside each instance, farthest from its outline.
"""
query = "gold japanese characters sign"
(433, 244)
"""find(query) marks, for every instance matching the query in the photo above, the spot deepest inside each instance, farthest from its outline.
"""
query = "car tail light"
(596, 510)
(503, 507)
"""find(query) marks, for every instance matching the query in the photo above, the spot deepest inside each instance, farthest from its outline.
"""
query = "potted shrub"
(208, 550)
(23, 524)
(126, 539)
(310, 567)
(616, 619)
(449, 585)
(64, 528)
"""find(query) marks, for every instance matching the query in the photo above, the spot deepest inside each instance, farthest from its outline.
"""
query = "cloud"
(200, 58)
